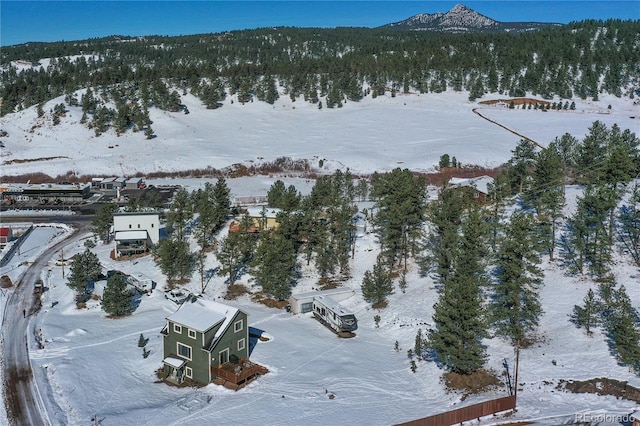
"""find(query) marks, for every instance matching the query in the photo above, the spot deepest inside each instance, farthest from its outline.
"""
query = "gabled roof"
(480, 183)
(201, 315)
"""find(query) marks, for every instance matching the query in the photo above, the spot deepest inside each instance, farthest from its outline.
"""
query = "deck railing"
(237, 373)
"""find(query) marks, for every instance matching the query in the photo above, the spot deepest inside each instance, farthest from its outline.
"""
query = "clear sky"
(23, 21)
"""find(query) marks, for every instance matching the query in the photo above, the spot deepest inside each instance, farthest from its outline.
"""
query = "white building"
(135, 233)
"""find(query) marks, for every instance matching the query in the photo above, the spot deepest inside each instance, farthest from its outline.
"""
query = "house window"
(129, 226)
(240, 344)
(138, 226)
(177, 328)
(188, 371)
(152, 224)
(224, 356)
(184, 351)
(192, 333)
(237, 326)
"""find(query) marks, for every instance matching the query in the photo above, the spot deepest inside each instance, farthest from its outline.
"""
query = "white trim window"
(241, 344)
(237, 326)
(177, 328)
(188, 371)
(192, 333)
(183, 350)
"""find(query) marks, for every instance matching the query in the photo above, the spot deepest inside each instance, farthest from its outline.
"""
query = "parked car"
(177, 295)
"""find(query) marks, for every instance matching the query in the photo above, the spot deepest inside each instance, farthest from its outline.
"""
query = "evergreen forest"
(116, 79)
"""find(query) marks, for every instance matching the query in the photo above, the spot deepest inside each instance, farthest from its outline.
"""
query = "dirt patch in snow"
(474, 383)
(234, 291)
(602, 386)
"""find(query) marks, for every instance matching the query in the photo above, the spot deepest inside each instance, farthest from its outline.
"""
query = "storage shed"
(303, 302)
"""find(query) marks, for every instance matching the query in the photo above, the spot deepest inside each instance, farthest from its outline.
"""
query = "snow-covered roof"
(329, 292)
(270, 212)
(131, 235)
(333, 305)
(480, 183)
(174, 362)
(200, 315)
(133, 214)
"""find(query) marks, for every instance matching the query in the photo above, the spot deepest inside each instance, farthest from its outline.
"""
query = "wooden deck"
(236, 376)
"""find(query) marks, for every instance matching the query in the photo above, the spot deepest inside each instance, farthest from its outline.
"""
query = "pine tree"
(180, 213)
(148, 132)
(400, 213)
(546, 195)
(221, 202)
(103, 220)
(276, 194)
(499, 192)
(377, 285)
(419, 344)
(623, 330)
(587, 242)
(458, 317)
(515, 308)
(402, 284)
(629, 225)
(274, 265)
(229, 255)
(142, 342)
(445, 215)
(117, 297)
(174, 258)
(587, 316)
(85, 267)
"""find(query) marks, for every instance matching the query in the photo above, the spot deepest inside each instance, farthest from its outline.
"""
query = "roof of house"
(270, 212)
(200, 315)
(480, 183)
(131, 235)
(174, 362)
(132, 214)
(4, 232)
(329, 292)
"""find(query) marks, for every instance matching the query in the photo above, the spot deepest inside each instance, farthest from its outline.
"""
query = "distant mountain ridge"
(462, 19)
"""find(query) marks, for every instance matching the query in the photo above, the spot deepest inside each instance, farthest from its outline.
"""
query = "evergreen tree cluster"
(342, 64)
(459, 246)
(85, 267)
(612, 310)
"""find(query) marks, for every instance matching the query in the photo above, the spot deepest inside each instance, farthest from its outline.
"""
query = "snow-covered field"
(380, 134)
(91, 366)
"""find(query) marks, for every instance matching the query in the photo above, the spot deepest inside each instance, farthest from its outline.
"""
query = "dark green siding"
(199, 356)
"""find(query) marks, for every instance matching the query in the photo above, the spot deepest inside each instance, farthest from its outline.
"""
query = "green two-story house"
(202, 339)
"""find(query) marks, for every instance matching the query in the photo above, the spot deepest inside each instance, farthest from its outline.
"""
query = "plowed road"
(22, 399)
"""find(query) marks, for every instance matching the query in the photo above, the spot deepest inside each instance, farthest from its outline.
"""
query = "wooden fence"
(463, 414)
